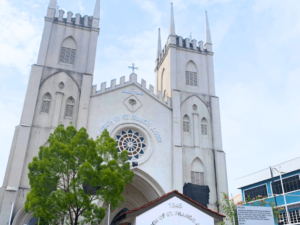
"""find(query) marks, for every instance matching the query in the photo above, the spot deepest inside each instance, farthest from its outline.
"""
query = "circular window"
(133, 142)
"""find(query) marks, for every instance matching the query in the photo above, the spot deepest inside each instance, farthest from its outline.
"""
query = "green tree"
(68, 177)
(228, 207)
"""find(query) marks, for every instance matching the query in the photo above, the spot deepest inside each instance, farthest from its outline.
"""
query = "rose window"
(133, 142)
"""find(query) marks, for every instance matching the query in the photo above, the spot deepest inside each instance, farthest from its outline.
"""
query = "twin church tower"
(172, 135)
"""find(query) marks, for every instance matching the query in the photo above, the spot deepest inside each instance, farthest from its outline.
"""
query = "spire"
(208, 44)
(172, 23)
(51, 9)
(52, 4)
(207, 31)
(159, 44)
(97, 10)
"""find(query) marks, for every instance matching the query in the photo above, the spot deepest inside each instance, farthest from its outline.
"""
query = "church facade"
(172, 133)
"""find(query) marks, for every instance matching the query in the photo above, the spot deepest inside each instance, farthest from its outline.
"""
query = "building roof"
(265, 174)
(165, 197)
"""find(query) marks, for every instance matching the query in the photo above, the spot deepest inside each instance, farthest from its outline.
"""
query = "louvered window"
(260, 191)
(67, 55)
(186, 124)
(46, 103)
(290, 184)
(204, 126)
(69, 107)
(68, 51)
(197, 178)
(191, 78)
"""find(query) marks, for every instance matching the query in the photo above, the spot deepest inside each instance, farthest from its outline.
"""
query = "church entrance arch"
(141, 191)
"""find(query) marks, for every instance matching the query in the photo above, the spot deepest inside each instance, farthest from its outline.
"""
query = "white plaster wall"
(204, 151)
(164, 68)
(42, 123)
(109, 104)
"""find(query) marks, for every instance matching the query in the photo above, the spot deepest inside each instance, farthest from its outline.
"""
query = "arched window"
(70, 107)
(191, 77)
(46, 103)
(204, 126)
(186, 123)
(117, 215)
(197, 173)
(68, 51)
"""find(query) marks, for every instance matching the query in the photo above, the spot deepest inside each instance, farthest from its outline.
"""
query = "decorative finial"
(208, 43)
(97, 10)
(172, 22)
(133, 68)
(158, 44)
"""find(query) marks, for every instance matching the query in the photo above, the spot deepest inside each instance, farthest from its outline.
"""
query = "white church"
(172, 131)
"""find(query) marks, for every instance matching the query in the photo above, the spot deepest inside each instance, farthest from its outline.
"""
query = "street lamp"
(286, 209)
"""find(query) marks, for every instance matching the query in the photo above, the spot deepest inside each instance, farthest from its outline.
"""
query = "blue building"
(261, 184)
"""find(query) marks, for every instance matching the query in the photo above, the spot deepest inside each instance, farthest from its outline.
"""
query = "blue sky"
(257, 65)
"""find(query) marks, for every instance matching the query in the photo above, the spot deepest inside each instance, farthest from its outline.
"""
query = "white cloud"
(80, 6)
(19, 39)
(150, 7)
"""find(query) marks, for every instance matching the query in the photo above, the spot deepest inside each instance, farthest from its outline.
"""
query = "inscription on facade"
(125, 117)
(174, 213)
(132, 92)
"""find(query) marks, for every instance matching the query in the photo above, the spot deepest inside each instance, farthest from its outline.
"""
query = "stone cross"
(133, 68)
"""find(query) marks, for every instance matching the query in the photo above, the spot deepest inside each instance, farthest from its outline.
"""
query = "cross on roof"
(133, 68)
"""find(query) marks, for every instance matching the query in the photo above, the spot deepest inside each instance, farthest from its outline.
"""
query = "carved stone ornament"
(132, 103)
(61, 85)
(195, 107)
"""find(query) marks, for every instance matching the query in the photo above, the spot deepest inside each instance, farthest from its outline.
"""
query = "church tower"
(58, 91)
(184, 72)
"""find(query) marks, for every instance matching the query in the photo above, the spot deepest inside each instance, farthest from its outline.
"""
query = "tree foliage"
(72, 173)
(228, 207)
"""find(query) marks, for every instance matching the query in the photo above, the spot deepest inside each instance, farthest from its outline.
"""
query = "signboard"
(258, 215)
(174, 212)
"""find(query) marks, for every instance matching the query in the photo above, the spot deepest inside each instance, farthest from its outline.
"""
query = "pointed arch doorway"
(142, 190)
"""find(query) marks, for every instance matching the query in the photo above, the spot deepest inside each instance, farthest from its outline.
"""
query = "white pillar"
(57, 109)
(196, 129)
(177, 148)
(84, 104)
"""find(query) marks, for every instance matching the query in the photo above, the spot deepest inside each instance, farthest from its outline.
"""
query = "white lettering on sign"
(258, 215)
(132, 117)
(132, 92)
(174, 213)
(175, 205)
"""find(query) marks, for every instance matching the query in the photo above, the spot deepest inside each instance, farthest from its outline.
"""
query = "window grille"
(294, 217)
(257, 191)
(289, 184)
(191, 78)
(46, 103)
(197, 178)
(67, 55)
(70, 107)
(186, 123)
(204, 126)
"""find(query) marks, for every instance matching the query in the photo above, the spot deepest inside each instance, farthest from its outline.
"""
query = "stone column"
(177, 147)
(57, 109)
(84, 104)
(220, 160)
(196, 129)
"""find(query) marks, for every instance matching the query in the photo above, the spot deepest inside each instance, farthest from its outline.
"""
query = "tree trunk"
(76, 219)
